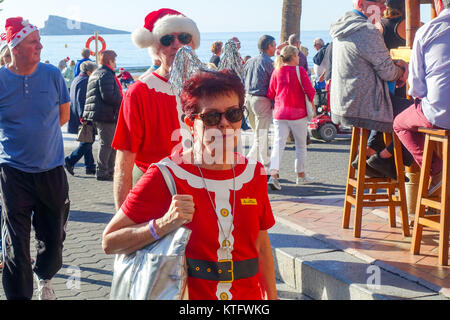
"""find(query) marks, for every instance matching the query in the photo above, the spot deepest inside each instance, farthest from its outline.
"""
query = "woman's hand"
(181, 211)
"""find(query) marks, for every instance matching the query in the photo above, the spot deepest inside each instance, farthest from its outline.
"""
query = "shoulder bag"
(157, 271)
(309, 106)
(86, 133)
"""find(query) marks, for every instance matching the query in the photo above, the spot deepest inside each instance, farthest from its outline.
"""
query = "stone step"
(319, 271)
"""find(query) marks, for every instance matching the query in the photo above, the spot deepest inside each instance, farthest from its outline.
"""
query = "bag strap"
(298, 76)
(168, 178)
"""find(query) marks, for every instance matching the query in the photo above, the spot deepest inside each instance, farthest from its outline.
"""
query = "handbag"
(85, 133)
(157, 271)
(309, 106)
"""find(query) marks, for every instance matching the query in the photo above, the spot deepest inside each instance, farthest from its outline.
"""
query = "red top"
(147, 120)
(125, 75)
(288, 94)
(149, 199)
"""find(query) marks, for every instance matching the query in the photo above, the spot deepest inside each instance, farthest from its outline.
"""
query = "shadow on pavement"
(91, 217)
(290, 190)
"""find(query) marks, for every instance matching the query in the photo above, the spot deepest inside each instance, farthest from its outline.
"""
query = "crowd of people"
(136, 129)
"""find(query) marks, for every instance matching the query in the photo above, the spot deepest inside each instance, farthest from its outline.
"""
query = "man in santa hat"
(34, 104)
(150, 115)
(125, 78)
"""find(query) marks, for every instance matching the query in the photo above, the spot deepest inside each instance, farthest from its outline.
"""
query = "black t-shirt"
(390, 33)
(215, 59)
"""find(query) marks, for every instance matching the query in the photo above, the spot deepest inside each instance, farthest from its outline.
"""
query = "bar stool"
(433, 139)
(356, 184)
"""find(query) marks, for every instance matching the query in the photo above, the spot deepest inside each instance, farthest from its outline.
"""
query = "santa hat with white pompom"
(17, 29)
(160, 23)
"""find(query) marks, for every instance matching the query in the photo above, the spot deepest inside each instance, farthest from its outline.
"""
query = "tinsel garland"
(185, 65)
(231, 59)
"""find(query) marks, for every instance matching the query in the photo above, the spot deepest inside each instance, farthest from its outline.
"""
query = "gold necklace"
(226, 244)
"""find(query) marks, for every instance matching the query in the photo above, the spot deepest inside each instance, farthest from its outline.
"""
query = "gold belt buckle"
(231, 270)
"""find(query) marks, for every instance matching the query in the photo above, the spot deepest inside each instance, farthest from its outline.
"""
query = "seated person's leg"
(375, 143)
(383, 161)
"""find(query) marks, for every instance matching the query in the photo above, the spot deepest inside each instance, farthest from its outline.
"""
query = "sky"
(210, 16)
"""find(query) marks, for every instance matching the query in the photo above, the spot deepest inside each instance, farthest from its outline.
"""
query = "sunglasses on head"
(213, 118)
(168, 39)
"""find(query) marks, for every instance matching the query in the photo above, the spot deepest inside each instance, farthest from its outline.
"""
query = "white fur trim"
(22, 34)
(171, 23)
(143, 38)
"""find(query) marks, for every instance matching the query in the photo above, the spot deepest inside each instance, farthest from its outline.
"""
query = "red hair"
(209, 84)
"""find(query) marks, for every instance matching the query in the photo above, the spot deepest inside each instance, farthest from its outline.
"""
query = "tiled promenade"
(314, 210)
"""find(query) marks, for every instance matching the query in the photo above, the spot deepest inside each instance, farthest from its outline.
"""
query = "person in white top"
(429, 80)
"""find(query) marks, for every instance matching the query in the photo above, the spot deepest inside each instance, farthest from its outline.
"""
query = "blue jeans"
(84, 149)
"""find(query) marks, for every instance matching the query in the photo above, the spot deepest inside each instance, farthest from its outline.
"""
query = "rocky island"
(59, 26)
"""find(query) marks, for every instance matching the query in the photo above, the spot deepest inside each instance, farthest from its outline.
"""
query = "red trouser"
(406, 126)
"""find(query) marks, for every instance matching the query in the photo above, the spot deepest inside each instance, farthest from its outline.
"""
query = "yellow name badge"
(249, 202)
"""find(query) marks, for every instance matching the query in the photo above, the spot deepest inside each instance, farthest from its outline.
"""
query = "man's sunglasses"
(168, 39)
(213, 118)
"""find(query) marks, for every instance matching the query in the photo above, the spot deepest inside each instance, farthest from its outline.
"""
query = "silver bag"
(155, 272)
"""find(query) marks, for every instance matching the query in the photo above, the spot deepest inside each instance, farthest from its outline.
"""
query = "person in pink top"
(289, 113)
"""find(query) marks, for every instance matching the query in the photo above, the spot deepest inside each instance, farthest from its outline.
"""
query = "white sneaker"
(274, 183)
(44, 289)
(305, 180)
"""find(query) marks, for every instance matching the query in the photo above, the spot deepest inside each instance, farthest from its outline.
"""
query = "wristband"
(152, 229)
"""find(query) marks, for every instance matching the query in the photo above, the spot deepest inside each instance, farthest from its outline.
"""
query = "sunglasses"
(213, 118)
(168, 39)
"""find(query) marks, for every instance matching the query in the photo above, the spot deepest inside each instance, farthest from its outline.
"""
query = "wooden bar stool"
(356, 184)
(433, 139)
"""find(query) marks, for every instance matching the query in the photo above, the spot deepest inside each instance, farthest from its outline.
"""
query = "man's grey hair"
(88, 66)
(294, 39)
(264, 42)
(319, 41)
(85, 53)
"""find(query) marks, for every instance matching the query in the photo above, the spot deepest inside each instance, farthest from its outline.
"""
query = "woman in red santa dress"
(222, 197)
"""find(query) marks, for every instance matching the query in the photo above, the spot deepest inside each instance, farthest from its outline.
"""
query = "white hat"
(162, 22)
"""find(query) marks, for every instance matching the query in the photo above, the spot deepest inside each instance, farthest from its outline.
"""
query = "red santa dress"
(246, 192)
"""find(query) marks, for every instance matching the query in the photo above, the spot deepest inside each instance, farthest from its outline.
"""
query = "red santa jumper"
(220, 236)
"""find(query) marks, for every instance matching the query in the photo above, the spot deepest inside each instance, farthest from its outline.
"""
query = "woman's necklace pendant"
(226, 245)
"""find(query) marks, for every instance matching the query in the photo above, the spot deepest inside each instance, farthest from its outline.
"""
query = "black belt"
(222, 271)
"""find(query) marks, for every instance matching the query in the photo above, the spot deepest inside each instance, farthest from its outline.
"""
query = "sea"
(129, 56)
